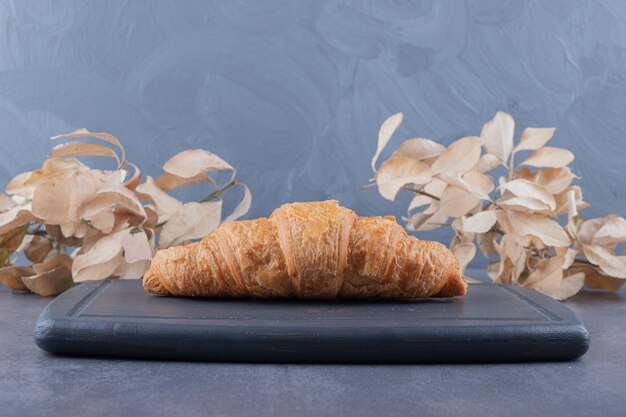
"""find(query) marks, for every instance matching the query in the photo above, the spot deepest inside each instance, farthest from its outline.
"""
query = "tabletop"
(35, 383)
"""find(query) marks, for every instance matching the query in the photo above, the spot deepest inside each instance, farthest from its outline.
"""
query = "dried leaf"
(108, 197)
(572, 218)
(514, 256)
(101, 259)
(84, 133)
(55, 233)
(464, 253)
(418, 149)
(494, 271)
(534, 138)
(568, 254)
(435, 187)
(570, 285)
(83, 149)
(420, 222)
(498, 136)
(562, 205)
(51, 201)
(612, 232)
(127, 270)
(164, 204)
(11, 277)
(152, 219)
(456, 202)
(15, 217)
(466, 193)
(17, 186)
(609, 264)
(11, 241)
(502, 272)
(434, 207)
(58, 201)
(486, 242)
(548, 274)
(480, 222)
(243, 207)
(38, 248)
(91, 238)
(191, 221)
(387, 130)
(77, 229)
(549, 157)
(62, 259)
(167, 181)
(133, 181)
(6, 203)
(55, 168)
(460, 157)
(50, 283)
(398, 172)
(190, 163)
(100, 217)
(137, 247)
(547, 230)
(418, 201)
(530, 190)
(125, 219)
(487, 162)
(588, 228)
(461, 236)
(554, 180)
(523, 204)
(475, 183)
(597, 280)
(99, 271)
(510, 232)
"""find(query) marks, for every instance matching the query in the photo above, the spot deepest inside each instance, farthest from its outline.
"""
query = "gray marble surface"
(34, 383)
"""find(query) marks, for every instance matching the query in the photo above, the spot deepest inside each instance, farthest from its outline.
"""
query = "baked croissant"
(307, 250)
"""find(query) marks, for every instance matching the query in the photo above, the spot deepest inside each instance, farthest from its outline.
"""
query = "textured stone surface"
(293, 93)
(34, 383)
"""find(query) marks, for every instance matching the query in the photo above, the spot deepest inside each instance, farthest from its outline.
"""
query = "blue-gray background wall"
(293, 92)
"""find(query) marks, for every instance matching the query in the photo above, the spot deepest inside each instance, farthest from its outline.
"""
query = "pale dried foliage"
(75, 223)
(526, 223)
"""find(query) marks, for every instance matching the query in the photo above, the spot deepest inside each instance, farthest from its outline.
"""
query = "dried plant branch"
(66, 204)
(520, 222)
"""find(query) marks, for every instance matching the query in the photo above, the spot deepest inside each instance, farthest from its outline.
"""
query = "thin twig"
(219, 191)
(417, 191)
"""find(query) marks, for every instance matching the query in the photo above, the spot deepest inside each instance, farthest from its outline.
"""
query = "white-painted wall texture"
(293, 92)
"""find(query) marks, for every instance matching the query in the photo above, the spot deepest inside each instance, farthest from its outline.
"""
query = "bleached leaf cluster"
(75, 223)
(513, 219)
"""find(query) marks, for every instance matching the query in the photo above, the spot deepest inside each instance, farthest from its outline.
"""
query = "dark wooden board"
(493, 323)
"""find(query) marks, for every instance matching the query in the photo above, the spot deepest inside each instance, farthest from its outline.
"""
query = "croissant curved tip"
(455, 285)
(151, 283)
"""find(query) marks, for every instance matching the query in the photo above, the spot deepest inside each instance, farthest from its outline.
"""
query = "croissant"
(307, 250)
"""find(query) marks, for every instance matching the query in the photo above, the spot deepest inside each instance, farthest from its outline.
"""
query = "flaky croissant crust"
(308, 250)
